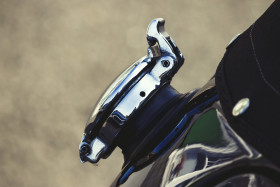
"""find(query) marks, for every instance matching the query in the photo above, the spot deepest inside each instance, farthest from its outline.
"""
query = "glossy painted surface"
(208, 147)
(211, 144)
(199, 101)
(248, 179)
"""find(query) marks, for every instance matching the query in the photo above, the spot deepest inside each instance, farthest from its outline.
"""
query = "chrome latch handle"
(129, 93)
(161, 44)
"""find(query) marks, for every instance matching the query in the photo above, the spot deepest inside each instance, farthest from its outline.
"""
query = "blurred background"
(57, 57)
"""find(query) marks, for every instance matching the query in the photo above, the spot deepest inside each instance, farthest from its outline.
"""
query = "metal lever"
(161, 44)
(132, 90)
(156, 35)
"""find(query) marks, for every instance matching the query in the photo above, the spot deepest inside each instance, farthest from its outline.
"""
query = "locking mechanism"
(129, 93)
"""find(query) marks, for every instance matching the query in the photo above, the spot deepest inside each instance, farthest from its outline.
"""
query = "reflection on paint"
(210, 144)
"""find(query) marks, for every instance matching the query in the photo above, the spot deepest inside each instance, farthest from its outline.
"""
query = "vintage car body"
(205, 151)
(168, 138)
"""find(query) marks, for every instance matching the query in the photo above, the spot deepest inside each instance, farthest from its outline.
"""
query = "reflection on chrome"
(117, 86)
(187, 164)
(130, 92)
(92, 155)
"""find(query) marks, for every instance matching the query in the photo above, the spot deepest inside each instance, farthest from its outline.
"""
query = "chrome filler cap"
(129, 93)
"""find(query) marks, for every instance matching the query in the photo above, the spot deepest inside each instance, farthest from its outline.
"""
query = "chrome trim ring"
(129, 93)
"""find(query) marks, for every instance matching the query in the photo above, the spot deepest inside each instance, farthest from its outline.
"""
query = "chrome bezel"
(109, 97)
(128, 94)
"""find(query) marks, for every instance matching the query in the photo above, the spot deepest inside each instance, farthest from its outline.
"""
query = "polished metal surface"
(94, 153)
(156, 33)
(241, 106)
(129, 92)
(117, 87)
(147, 85)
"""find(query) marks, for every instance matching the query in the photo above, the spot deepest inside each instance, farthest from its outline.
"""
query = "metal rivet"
(241, 106)
(85, 149)
(165, 63)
